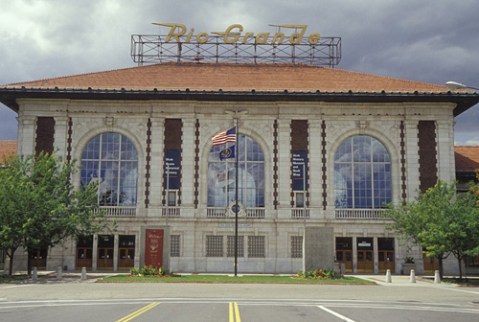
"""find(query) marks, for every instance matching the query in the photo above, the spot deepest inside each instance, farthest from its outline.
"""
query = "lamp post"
(236, 115)
(451, 85)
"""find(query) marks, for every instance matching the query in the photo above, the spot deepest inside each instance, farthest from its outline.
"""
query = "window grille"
(296, 246)
(175, 246)
(256, 246)
(230, 249)
(214, 246)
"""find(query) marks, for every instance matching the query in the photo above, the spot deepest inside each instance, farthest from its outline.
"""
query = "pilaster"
(188, 162)
(412, 159)
(156, 162)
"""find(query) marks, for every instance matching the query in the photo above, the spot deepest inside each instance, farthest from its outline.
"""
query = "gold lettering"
(202, 38)
(297, 37)
(189, 35)
(262, 38)
(313, 39)
(279, 36)
(236, 35)
(173, 34)
(233, 34)
(247, 36)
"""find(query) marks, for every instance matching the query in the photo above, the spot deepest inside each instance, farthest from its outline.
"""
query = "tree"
(40, 207)
(441, 221)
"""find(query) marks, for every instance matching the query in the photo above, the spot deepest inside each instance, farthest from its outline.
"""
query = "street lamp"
(236, 114)
(452, 86)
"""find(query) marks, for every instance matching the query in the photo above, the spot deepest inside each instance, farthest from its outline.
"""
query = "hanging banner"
(299, 161)
(172, 169)
(154, 247)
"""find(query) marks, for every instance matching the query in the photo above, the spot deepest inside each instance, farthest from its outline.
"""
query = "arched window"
(111, 159)
(221, 174)
(362, 173)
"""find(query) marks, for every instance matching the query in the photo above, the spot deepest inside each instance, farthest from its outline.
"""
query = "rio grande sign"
(234, 34)
(288, 44)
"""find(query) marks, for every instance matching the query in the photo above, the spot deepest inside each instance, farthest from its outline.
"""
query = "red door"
(154, 247)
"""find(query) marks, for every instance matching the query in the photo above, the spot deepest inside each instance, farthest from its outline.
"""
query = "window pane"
(222, 177)
(362, 148)
(115, 170)
(365, 180)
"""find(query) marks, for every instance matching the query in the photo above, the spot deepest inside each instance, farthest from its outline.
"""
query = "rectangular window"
(296, 246)
(214, 246)
(299, 199)
(230, 249)
(175, 246)
(172, 198)
(256, 246)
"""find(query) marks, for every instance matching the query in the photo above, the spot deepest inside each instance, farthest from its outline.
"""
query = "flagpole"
(236, 195)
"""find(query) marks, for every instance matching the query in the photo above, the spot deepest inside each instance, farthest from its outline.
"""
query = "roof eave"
(9, 96)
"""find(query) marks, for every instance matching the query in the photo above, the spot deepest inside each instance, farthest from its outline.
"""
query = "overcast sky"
(423, 40)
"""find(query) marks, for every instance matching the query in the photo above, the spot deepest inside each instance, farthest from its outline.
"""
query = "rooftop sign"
(288, 44)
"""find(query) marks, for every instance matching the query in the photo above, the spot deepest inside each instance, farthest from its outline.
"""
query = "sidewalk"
(403, 280)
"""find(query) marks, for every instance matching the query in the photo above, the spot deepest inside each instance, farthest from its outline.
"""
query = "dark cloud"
(431, 41)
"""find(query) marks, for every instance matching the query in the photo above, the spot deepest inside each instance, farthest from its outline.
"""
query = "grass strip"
(252, 279)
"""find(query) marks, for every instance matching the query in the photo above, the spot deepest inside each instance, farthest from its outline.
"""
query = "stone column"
(188, 163)
(156, 162)
(375, 255)
(116, 244)
(355, 254)
(445, 150)
(284, 168)
(26, 141)
(94, 253)
(315, 174)
(412, 159)
(60, 136)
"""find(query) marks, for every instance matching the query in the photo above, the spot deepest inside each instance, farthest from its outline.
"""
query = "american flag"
(225, 136)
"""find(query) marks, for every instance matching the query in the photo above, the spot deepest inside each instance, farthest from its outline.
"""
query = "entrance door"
(431, 264)
(84, 252)
(154, 247)
(105, 251)
(365, 255)
(365, 261)
(386, 255)
(126, 252)
(38, 258)
(344, 252)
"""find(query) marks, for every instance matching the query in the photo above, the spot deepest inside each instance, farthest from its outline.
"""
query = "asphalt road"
(75, 300)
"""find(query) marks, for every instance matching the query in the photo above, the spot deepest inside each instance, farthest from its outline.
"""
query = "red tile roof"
(7, 149)
(235, 77)
(467, 158)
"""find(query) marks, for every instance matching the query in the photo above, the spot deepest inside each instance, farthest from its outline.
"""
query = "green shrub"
(147, 271)
(318, 274)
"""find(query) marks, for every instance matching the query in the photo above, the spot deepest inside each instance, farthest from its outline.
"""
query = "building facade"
(319, 153)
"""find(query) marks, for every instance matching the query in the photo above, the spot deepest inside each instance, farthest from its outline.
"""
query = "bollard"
(59, 273)
(412, 277)
(83, 273)
(388, 276)
(437, 278)
(35, 274)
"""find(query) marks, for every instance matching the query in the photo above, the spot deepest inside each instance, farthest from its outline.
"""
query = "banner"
(299, 161)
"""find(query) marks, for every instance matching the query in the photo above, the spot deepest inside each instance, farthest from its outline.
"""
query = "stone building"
(320, 152)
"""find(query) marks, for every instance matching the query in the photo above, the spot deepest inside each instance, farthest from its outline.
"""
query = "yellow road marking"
(234, 315)
(137, 313)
